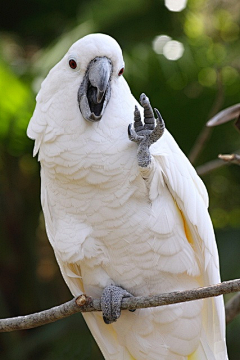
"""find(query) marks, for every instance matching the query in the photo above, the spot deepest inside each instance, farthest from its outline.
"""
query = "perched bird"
(125, 212)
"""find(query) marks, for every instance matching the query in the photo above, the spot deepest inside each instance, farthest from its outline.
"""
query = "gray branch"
(226, 115)
(230, 158)
(84, 303)
(210, 166)
(217, 163)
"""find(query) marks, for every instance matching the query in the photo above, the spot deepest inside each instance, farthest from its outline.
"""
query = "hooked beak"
(94, 91)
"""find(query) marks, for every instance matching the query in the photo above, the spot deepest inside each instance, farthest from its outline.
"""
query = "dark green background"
(33, 37)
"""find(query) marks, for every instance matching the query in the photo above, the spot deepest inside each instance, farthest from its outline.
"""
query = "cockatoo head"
(96, 60)
(85, 84)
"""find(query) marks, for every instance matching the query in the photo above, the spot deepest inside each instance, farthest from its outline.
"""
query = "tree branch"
(83, 303)
(230, 158)
(210, 166)
(226, 115)
(217, 163)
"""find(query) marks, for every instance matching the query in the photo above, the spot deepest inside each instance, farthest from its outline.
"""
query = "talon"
(133, 136)
(160, 122)
(159, 129)
(130, 131)
(159, 116)
(105, 319)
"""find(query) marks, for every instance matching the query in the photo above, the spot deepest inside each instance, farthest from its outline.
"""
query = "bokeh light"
(176, 5)
(173, 50)
(159, 42)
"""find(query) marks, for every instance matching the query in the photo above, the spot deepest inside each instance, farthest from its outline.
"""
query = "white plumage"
(111, 222)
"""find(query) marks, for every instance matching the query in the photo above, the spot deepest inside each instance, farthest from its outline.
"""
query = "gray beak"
(94, 92)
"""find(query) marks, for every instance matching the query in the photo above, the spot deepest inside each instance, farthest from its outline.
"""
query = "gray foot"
(111, 301)
(145, 134)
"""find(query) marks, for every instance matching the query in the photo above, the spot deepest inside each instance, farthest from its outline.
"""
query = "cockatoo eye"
(121, 72)
(72, 64)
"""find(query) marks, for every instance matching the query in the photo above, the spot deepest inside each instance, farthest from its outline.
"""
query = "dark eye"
(72, 64)
(121, 72)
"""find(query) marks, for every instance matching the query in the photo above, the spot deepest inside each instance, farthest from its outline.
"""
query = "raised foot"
(111, 301)
(145, 134)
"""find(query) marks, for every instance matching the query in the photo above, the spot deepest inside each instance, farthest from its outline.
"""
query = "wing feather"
(191, 197)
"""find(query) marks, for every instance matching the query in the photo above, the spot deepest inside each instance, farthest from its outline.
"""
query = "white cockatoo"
(125, 212)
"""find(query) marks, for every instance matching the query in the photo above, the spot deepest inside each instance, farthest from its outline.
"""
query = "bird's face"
(95, 90)
(98, 60)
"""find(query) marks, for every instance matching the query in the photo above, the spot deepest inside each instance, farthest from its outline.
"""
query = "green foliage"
(187, 91)
(16, 104)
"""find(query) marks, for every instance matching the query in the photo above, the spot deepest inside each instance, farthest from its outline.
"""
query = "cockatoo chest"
(103, 210)
(95, 180)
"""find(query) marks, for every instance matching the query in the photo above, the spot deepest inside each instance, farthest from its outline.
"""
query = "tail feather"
(106, 338)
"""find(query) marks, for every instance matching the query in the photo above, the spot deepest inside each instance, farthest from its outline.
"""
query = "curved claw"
(133, 136)
(160, 121)
(131, 133)
(159, 129)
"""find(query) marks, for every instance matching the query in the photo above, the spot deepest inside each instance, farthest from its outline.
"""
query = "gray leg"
(111, 301)
(145, 134)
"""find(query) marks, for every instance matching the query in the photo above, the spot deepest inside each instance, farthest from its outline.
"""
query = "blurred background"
(185, 55)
